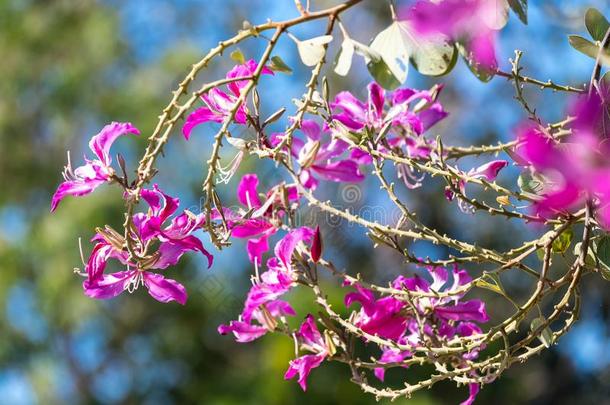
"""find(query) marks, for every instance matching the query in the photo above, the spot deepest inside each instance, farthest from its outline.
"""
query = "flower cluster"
(319, 156)
(575, 170)
(157, 238)
(263, 302)
(406, 115)
(426, 320)
(258, 219)
(149, 229)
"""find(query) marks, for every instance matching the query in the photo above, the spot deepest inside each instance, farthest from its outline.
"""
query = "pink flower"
(383, 317)
(246, 332)
(311, 340)
(264, 221)
(321, 158)
(263, 302)
(406, 125)
(84, 179)
(218, 104)
(576, 170)
(173, 241)
(473, 23)
(390, 355)
(489, 171)
(443, 317)
(355, 114)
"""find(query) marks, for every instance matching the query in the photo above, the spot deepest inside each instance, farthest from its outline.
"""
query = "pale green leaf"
(602, 252)
(589, 48)
(494, 13)
(596, 24)
(238, 56)
(312, 51)
(394, 50)
(382, 74)
(563, 241)
(546, 335)
(481, 72)
(344, 59)
(520, 8)
(278, 65)
(431, 55)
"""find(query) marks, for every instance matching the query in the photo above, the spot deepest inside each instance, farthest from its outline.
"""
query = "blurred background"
(70, 66)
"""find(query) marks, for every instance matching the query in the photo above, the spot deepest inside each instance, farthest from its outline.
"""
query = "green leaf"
(238, 56)
(312, 51)
(382, 74)
(278, 65)
(563, 241)
(590, 259)
(596, 24)
(365, 51)
(490, 282)
(589, 48)
(430, 55)
(520, 8)
(602, 252)
(481, 72)
(546, 335)
(394, 51)
(344, 58)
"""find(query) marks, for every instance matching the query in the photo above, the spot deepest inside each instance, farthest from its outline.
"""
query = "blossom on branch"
(259, 219)
(311, 339)
(419, 321)
(263, 302)
(84, 179)
(575, 170)
(320, 157)
(173, 240)
(219, 105)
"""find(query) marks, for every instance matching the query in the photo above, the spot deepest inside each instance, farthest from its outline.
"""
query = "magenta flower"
(576, 170)
(84, 179)
(410, 114)
(390, 355)
(356, 115)
(320, 157)
(218, 104)
(443, 317)
(173, 241)
(311, 339)
(263, 302)
(383, 317)
(473, 23)
(489, 171)
(259, 220)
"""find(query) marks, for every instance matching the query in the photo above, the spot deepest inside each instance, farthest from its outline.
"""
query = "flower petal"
(108, 285)
(74, 188)
(164, 290)
(247, 191)
(303, 366)
(100, 144)
(243, 332)
(198, 117)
